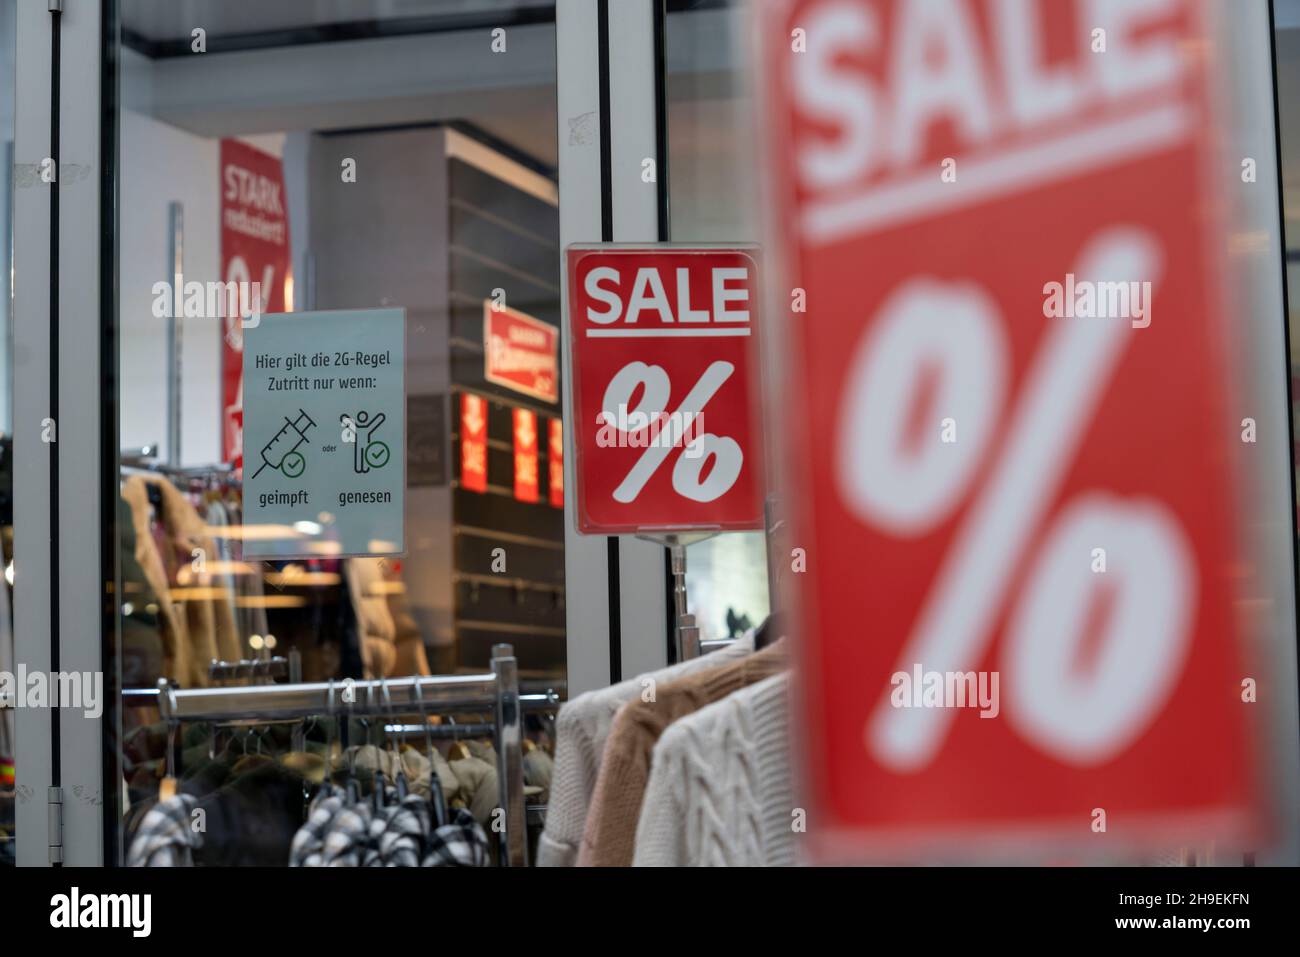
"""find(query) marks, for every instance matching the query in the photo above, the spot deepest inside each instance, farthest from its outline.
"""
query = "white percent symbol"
(1078, 717)
(670, 429)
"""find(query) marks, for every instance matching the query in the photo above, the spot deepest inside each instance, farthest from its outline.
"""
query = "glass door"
(347, 477)
(291, 371)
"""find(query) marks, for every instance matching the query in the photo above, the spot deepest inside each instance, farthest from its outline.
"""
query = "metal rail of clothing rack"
(256, 668)
(496, 691)
(713, 644)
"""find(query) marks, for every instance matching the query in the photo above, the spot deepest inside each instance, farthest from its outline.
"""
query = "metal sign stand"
(686, 632)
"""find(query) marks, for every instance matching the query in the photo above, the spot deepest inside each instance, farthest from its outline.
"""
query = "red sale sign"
(520, 352)
(555, 462)
(473, 442)
(526, 477)
(1018, 613)
(663, 382)
(254, 249)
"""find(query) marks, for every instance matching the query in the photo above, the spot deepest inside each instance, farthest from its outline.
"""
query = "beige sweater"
(609, 839)
(581, 730)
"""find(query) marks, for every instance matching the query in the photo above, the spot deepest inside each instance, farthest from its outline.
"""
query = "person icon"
(368, 452)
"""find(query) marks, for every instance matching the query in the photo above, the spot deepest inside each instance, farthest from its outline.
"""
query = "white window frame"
(60, 600)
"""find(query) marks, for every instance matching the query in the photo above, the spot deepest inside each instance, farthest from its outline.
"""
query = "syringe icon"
(285, 443)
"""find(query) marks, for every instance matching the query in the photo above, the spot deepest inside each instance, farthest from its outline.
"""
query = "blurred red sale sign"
(1017, 617)
(664, 386)
(473, 442)
(254, 249)
(519, 352)
(525, 435)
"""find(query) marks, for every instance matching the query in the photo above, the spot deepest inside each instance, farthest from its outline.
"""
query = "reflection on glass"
(714, 199)
(291, 169)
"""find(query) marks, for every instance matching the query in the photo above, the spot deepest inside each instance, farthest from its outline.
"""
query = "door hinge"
(54, 805)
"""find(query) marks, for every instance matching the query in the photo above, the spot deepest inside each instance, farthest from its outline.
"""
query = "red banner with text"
(254, 253)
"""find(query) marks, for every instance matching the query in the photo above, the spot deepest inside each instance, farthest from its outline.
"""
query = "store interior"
(416, 152)
(455, 196)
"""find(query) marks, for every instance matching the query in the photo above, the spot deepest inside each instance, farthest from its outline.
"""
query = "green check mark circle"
(377, 454)
(293, 465)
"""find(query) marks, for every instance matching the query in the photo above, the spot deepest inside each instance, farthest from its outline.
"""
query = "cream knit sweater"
(609, 839)
(721, 792)
(581, 731)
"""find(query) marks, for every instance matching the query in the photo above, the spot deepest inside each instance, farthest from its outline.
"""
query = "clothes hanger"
(352, 787)
(772, 628)
(327, 785)
(219, 750)
(436, 798)
(400, 780)
(167, 786)
(379, 783)
(300, 745)
(459, 750)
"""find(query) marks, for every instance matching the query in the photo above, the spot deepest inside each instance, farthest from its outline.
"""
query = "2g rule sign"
(325, 429)
(664, 380)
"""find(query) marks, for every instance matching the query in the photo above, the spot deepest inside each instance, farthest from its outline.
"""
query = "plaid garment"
(403, 831)
(461, 843)
(167, 836)
(348, 836)
(307, 849)
(378, 820)
(338, 835)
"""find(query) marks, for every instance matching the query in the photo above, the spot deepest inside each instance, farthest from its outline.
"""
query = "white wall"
(159, 164)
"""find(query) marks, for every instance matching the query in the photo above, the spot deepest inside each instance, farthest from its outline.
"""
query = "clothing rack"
(145, 459)
(273, 667)
(713, 644)
(143, 462)
(496, 692)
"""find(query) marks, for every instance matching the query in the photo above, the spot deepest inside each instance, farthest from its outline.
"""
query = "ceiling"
(279, 67)
(169, 20)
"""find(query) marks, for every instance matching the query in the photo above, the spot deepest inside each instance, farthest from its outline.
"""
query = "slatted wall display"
(502, 240)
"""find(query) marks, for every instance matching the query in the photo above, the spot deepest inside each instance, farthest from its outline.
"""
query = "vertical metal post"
(59, 411)
(86, 477)
(775, 538)
(634, 139)
(32, 316)
(1257, 121)
(175, 263)
(687, 632)
(510, 758)
(606, 99)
